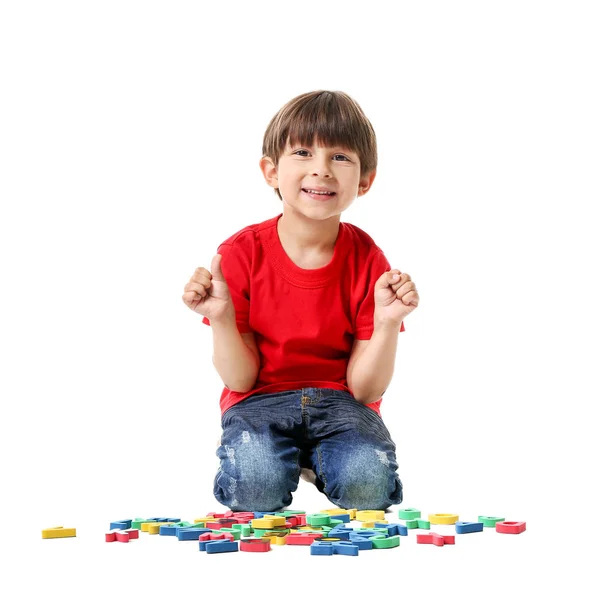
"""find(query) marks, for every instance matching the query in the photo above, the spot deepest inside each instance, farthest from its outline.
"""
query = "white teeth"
(319, 192)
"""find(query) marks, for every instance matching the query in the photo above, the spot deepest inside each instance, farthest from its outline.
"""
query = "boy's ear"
(269, 171)
(365, 183)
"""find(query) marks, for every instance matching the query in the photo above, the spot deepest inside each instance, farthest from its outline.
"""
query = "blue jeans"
(268, 438)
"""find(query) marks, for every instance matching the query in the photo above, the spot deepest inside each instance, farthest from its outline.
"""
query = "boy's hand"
(207, 292)
(396, 297)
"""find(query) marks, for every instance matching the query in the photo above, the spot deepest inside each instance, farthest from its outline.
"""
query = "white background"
(130, 136)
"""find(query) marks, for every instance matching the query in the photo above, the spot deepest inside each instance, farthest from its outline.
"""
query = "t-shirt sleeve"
(235, 265)
(376, 266)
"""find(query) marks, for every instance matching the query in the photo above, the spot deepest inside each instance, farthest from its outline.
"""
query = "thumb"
(387, 279)
(215, 268)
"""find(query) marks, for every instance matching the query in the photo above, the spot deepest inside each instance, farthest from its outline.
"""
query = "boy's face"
(324, 168)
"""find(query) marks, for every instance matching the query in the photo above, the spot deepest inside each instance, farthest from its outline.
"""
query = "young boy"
(305, 314)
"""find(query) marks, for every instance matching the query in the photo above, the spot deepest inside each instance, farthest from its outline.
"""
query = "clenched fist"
(396, 296)
(207, 292)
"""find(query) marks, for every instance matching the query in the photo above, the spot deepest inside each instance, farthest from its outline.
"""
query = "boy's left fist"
(396, 296)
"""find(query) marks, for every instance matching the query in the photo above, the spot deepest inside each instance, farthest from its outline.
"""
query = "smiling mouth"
(322, 196)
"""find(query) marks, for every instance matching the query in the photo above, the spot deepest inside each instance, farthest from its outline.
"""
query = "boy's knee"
(252, 478)
(365, 486)
(253, 491)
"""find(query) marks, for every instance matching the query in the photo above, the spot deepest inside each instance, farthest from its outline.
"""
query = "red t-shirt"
(304, 320)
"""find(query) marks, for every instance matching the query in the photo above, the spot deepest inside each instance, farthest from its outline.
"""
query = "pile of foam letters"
(326, 533)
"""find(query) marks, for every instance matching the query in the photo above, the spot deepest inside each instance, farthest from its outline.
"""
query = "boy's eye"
(306, 151)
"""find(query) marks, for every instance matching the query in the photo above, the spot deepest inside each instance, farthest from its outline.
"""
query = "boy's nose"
(322, 168)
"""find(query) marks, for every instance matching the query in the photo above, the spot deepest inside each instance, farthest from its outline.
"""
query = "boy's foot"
(308, 475)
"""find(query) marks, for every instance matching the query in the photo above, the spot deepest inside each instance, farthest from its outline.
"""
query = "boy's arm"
(371, 364)
(234, 360)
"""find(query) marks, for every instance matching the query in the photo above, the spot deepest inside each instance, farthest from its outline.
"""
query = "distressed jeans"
(268, 438)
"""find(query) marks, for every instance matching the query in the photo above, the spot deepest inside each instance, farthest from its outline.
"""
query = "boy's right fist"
(207, 292)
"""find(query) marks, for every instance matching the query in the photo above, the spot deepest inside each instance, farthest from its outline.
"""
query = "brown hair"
(333, 116)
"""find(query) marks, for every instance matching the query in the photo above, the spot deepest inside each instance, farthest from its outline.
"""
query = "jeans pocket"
(226, 417)
(372, 423)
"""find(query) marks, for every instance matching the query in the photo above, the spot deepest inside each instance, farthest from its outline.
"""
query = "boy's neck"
(305, 235)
